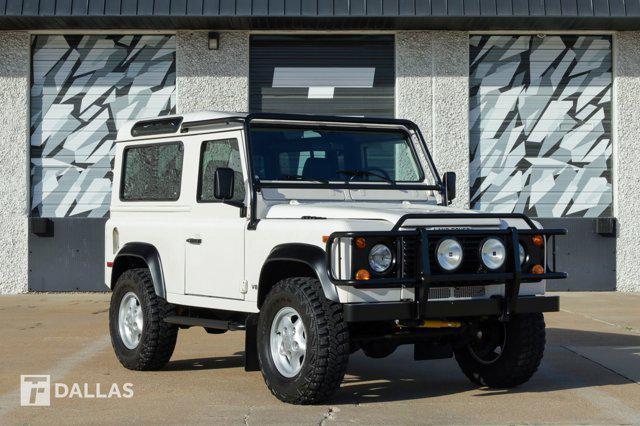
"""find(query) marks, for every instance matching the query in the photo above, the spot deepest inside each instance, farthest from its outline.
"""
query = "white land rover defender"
(318, 236)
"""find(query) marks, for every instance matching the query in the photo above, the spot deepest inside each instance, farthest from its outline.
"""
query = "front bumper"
(390, 311)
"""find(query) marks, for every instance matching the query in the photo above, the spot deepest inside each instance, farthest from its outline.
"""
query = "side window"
(152, 172)
(214, 154)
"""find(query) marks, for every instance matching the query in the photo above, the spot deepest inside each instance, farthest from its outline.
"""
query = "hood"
(390, 212)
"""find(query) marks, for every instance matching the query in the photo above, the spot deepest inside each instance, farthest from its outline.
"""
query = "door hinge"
(244, 287)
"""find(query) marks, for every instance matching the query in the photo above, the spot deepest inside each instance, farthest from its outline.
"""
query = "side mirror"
(223, 183)
(449, 180)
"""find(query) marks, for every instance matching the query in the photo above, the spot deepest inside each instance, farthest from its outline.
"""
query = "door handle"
(194, 240)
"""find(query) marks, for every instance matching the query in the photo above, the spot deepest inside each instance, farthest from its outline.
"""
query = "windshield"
(321, 154)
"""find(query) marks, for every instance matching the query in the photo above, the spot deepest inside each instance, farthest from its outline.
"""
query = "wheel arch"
(295, 260)
(139, 255)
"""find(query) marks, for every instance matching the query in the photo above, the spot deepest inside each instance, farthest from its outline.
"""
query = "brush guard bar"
(512, 277)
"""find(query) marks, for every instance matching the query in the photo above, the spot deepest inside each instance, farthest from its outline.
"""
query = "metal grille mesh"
(472, 291)
(448, 292)
(439, 293)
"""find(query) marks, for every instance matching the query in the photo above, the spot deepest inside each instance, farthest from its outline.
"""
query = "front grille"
(439, 293)
(436, 293)
(470, 291)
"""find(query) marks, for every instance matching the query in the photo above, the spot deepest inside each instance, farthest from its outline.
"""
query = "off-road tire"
(327, 354)
(519, 360)
(158, 338)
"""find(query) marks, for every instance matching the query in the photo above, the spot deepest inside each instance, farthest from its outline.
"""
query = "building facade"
(534, 104)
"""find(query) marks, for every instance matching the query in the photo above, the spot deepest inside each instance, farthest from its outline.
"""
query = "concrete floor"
(589, 375)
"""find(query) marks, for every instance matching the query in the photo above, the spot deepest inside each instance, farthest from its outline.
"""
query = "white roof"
(124, 133)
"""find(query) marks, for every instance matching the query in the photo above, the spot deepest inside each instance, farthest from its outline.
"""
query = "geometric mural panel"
(83, 87)
(540, 125)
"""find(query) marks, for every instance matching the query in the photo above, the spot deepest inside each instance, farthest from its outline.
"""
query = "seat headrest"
(320, 168)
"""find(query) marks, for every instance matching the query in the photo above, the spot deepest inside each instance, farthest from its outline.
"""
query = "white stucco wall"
(626, 168)
(14, 161)
(212, 79)
(432, 89)
(414, 80)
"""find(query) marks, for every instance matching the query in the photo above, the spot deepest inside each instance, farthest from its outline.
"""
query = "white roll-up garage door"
(83, 88)
(540, 117)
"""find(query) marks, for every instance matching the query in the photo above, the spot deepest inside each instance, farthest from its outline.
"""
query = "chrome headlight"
(523, 254)
(493, 253)
(449, 254)
(380, 258)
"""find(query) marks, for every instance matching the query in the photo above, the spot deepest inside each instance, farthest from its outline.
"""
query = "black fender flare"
(310, 255)
(149, 255)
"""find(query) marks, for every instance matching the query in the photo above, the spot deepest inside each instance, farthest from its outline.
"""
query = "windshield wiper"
(302, 177)
(359, 173)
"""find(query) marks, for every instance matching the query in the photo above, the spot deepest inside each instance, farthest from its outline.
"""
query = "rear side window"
(152, 172)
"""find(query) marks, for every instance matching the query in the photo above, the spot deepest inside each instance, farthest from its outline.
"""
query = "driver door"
(214, 246)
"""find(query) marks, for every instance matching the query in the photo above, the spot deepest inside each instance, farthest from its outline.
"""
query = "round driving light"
(449, 254)
(523, 254)
(380, 258)
(493, 253)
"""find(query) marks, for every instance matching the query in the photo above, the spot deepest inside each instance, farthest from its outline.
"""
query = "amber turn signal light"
(361, 242)
(363, 275)
(538, 240)
(325, 238)
(537, 269)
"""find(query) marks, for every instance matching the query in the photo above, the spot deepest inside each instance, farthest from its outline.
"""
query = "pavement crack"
(329, 415)
(592, 318)
(245, 418)
(599, 364)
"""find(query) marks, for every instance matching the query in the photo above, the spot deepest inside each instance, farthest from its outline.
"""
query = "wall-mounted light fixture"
(214, 41)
